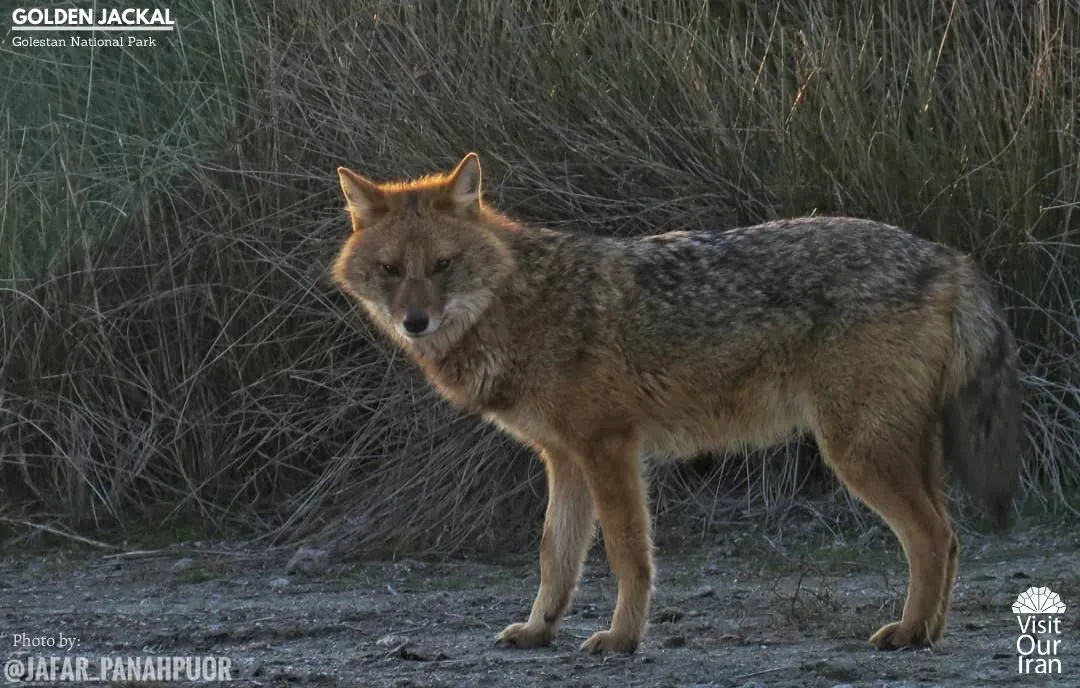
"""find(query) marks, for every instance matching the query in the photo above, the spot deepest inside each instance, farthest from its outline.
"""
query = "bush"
(176, 358)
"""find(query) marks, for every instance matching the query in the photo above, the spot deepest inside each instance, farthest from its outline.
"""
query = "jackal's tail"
(982, 404)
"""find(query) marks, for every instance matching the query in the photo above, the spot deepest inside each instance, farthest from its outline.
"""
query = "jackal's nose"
(415, 323)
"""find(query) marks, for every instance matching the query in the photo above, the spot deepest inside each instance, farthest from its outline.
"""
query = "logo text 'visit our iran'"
(57, 19)
(1038, 611)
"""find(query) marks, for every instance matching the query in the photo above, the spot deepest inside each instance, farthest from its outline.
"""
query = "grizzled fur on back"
(887, 348)
(814, 275)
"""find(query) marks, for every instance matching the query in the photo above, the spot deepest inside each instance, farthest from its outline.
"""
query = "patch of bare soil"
(746, 612)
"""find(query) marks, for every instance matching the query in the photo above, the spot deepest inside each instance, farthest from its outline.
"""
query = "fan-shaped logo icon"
(1038, 600)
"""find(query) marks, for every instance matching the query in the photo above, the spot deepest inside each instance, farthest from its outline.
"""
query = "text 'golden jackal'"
(887, 348)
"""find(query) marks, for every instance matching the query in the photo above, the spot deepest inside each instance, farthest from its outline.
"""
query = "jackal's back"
(809, 277)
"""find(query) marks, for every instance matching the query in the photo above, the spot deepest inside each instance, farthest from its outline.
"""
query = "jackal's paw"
(523, 635)
(607, 641)
(896, 635)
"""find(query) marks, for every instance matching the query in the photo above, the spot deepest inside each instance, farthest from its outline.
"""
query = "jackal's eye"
(391, 270)
(441, 264)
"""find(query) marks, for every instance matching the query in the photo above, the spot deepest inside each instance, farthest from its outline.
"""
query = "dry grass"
(176, 359)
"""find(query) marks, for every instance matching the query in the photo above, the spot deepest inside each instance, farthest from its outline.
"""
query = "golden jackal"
(887, 348)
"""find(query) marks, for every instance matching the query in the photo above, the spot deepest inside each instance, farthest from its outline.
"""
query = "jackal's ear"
(365, 201)
(463, 186)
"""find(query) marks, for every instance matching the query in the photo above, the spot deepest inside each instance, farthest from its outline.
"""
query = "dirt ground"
(750, 609)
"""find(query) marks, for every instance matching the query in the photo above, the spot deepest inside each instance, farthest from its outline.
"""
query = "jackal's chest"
(476, 384)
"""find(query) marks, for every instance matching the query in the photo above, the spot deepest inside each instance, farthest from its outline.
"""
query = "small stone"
(667, 615)
(308, 561)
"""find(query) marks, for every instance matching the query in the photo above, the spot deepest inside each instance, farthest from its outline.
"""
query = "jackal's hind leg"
(892, 478)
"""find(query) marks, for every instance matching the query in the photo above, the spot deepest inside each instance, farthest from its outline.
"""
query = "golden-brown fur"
(888, 349)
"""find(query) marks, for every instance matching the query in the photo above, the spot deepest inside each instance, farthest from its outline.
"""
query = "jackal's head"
(423, 258)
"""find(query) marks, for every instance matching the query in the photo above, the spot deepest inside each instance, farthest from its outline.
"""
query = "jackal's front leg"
(613, 472)
(569, 526)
